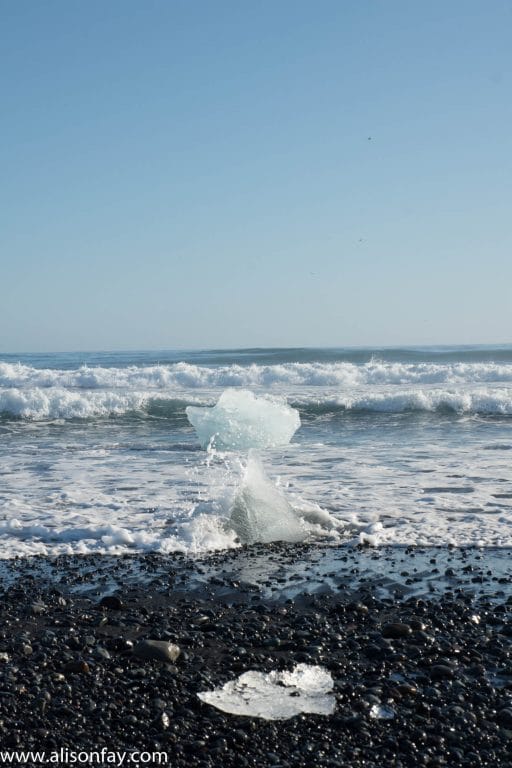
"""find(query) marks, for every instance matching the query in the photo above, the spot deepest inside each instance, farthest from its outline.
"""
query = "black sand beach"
(426, 634)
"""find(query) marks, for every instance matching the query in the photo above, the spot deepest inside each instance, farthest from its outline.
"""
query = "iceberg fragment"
(240, 421)
(276, 695)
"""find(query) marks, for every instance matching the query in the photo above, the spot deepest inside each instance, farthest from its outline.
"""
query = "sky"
(231, 173)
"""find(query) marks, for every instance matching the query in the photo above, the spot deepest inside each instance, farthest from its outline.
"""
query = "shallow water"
(395, 446)
(275, 574)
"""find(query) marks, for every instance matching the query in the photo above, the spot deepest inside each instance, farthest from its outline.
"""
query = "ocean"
(98, 453)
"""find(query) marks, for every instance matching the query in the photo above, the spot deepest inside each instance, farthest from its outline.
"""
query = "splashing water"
(257, 510)
(260, 512)
(97, 454)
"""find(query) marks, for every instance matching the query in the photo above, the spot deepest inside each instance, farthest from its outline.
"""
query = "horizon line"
(263, 348)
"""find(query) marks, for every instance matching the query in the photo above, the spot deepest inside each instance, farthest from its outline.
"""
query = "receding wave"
(184, 375)
(39, 404)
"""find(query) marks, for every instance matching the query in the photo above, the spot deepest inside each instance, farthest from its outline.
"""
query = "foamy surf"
(483, 402)
(183, 375)
(257, 427)
(400, 449)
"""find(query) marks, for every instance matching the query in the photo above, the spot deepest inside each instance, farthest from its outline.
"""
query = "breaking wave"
(57, 403)
(485, 402)
(39, 404)
(184, 375)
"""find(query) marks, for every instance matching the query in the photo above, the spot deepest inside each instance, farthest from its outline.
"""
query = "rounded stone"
(157, 650)
(396, 630)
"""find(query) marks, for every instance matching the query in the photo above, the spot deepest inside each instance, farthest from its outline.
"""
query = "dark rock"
(112, 602)
(441, 672)
(78, 667)
(406, 689)
(504, 717)
(396, 630)
(157, 650)
(445, 715)
(417, 625)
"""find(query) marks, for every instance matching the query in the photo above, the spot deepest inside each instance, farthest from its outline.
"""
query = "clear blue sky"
(240, 173)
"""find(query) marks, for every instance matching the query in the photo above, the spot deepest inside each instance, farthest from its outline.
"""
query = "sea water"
(406, 446)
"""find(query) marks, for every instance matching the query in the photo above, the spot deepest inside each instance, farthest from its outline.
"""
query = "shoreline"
(425, 633)
(275, 571)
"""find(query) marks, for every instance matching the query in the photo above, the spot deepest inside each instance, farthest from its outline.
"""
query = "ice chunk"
(260, 512)
(240, 420)
(382, 712)
(276, 695)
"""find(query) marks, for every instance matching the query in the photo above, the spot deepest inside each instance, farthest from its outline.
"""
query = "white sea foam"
(56, 403)
(189, 376)
(122, 484)
(106, 498)
(276, 695)
(265, 421)
(240, 421)
(200, 535)
(484, 401)
(207, 533)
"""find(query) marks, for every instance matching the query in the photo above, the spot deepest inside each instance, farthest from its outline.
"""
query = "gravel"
(421, 678)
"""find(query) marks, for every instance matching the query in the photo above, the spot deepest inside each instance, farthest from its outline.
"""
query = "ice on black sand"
(276, 695)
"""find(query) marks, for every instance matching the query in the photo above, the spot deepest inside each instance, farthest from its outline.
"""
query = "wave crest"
(189, 376)
(56, 403)
(487, 402)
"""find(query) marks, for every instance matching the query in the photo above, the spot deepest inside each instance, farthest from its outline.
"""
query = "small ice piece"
(260, 511)
(240, 421)
(382, 712)
(276, 695)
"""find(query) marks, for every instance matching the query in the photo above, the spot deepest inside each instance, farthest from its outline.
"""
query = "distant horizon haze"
(257, 348)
